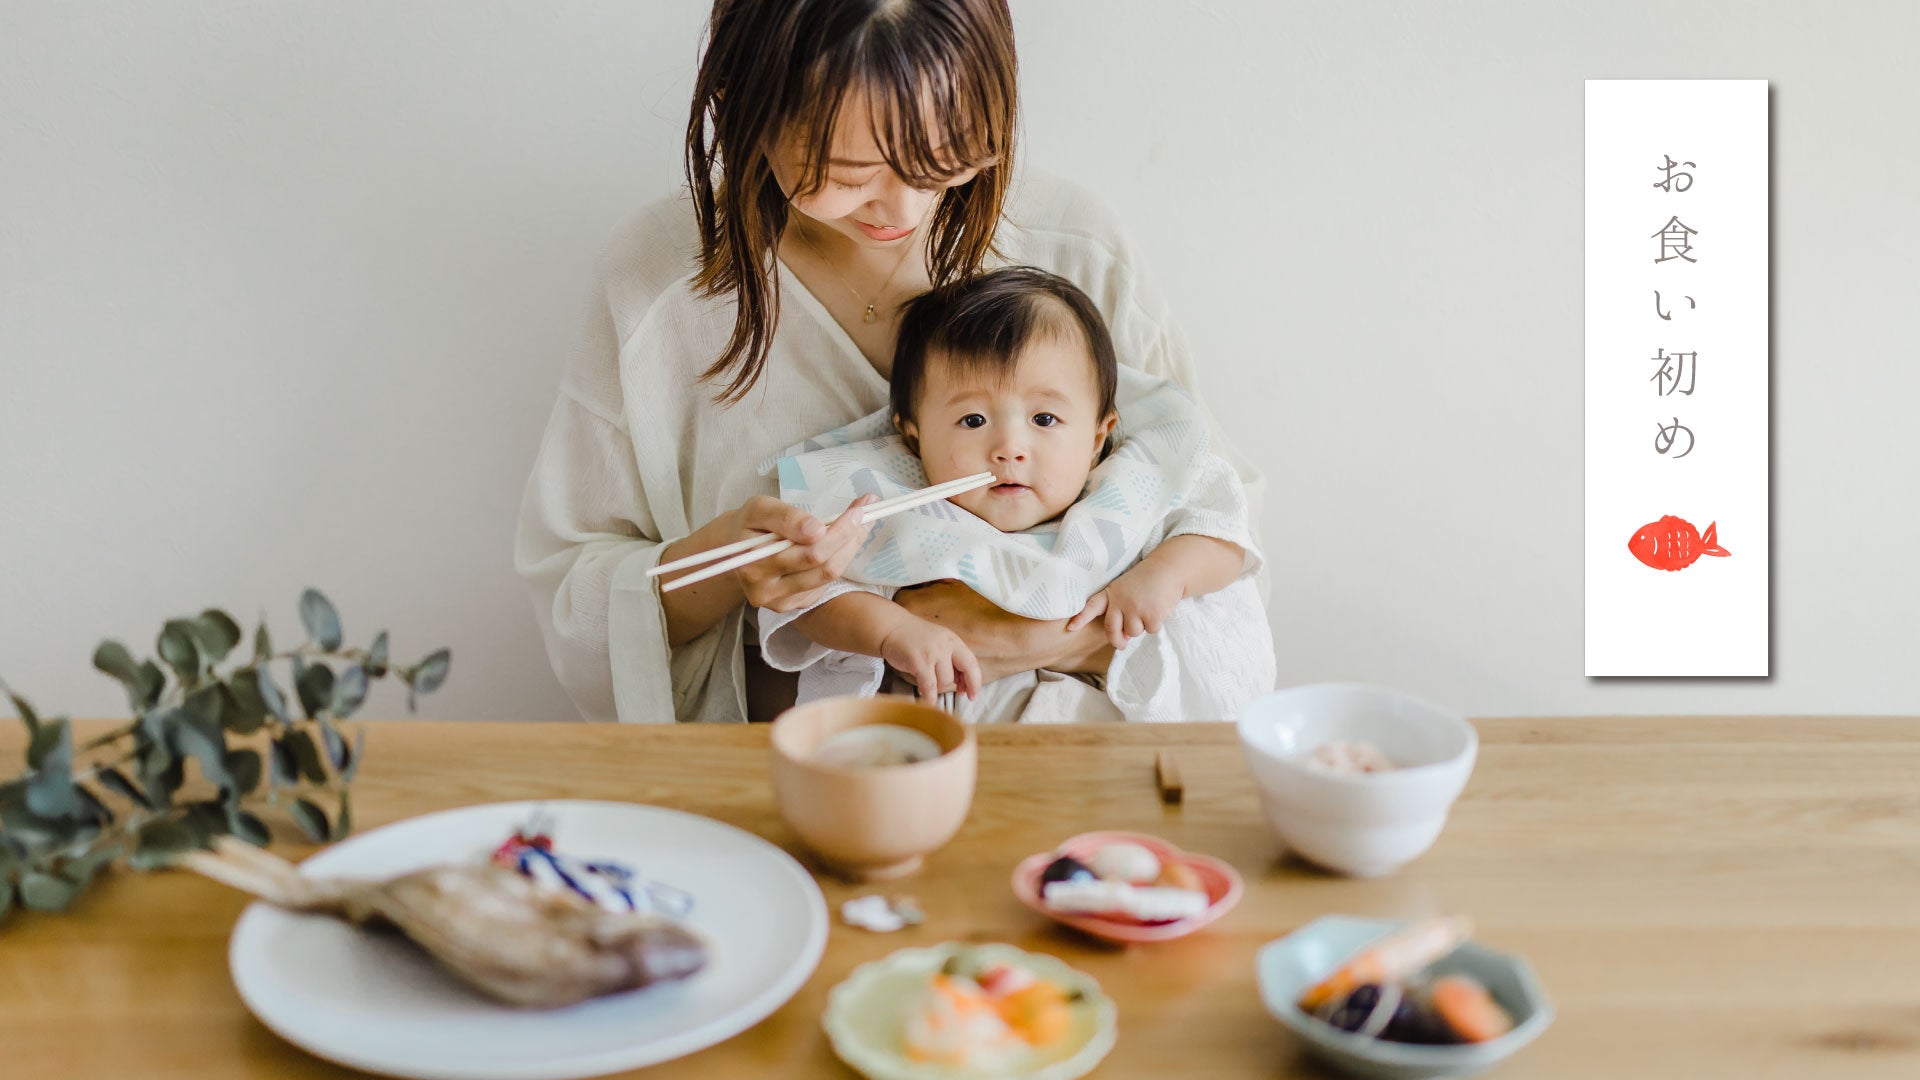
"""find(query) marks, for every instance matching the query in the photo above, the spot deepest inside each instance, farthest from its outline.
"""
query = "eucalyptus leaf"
(180, 648)
(270, 694)
(41, 891)
(162, 782)
(218, 633)
(92, 808)
(171, 837)
(283, 761)
(320, 619)
(34, 833)
(353, 760)
(50, 791)
(58, 832)
(248, 710)
(116, 781)
(80, 871)
(315, 686)
(27, 715)
(209, 704)
(349, 691)
(248, 828)
(308, 756)
(152, 682)
(193, 736)
(155, 757)
(46, 741)
(230, 717)
(311, 819)
(244, 767)
(336, 746)
(432, 672)
(160, 842)
(114, 659)
(205, 820)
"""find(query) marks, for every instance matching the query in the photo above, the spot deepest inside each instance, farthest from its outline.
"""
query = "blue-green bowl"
(1289, 966)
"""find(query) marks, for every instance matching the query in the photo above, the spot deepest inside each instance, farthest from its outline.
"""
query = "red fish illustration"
(1673, 544)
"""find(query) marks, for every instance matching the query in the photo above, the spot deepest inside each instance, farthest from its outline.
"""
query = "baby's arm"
(861, 622)
(1140, 600)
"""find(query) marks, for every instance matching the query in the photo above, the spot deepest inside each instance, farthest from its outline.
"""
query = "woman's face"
(863, 199)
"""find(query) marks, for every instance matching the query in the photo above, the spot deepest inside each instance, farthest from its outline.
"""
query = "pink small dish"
(1222, 884)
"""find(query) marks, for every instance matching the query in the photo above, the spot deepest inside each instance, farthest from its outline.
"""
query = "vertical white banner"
(1676, 377)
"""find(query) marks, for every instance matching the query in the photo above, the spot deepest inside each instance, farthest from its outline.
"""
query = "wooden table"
(1702, 898)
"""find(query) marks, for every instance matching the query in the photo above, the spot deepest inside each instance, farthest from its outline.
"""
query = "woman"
(842, 156)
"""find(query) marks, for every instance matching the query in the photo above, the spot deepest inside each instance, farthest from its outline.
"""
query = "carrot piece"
(1038, 1012)
(1469, 1009)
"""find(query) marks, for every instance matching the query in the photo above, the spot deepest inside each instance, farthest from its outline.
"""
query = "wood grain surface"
(1702, 898)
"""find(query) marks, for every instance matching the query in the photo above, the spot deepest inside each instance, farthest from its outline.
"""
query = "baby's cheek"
(948, 466)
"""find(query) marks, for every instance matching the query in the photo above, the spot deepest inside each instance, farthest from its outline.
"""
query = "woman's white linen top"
(636, 455)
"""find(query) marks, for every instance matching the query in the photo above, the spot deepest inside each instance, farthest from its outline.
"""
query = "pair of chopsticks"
(755, 548)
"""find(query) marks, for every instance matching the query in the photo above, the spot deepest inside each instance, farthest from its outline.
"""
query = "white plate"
(376, 1003)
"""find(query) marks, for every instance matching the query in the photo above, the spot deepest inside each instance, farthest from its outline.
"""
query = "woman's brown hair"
(777, 65)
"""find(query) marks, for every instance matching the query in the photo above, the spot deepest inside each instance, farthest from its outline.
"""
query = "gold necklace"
(884, 286)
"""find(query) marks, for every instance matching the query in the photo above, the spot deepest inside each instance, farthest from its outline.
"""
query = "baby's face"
(1039, 431)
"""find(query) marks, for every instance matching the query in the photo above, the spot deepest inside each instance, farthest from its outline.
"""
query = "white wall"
(284, 289)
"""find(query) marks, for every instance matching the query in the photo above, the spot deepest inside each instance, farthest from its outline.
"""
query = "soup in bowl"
(872, 785)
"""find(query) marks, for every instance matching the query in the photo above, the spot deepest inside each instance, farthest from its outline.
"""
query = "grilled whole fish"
(495, 929)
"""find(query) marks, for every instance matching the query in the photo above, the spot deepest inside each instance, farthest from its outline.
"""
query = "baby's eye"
(973, 420)
(1045, 419)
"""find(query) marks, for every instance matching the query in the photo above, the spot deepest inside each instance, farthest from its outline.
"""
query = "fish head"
(1645, 545)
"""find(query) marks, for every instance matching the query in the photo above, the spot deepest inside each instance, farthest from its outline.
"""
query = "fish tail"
(1710, 544)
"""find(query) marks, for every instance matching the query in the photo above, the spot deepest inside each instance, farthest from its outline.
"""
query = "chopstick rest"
(1166, 773)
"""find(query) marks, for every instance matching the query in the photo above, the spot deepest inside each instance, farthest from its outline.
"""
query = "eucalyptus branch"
(60, 826)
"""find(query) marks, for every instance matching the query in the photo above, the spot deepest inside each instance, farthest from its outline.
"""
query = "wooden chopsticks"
(755, 548)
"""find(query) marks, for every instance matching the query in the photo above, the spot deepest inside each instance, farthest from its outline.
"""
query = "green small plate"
(1289, 966)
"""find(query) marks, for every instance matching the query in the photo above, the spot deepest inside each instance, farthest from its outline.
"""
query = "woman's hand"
(785, 582)
(820, 553)
(1003, 643)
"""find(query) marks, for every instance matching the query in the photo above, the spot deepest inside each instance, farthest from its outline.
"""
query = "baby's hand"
(932, 656)
(1137, 602)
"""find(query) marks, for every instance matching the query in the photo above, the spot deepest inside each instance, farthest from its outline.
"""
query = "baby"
(1014, 373)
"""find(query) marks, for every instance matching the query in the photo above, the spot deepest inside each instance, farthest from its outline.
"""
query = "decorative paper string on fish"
(1160, 480)
(1674, 544)
(1160, 468)
(613, 886)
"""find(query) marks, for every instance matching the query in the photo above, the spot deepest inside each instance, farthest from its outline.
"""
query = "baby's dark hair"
(982, 324)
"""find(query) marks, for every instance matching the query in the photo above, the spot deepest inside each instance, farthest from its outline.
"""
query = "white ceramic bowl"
(1365, 824)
